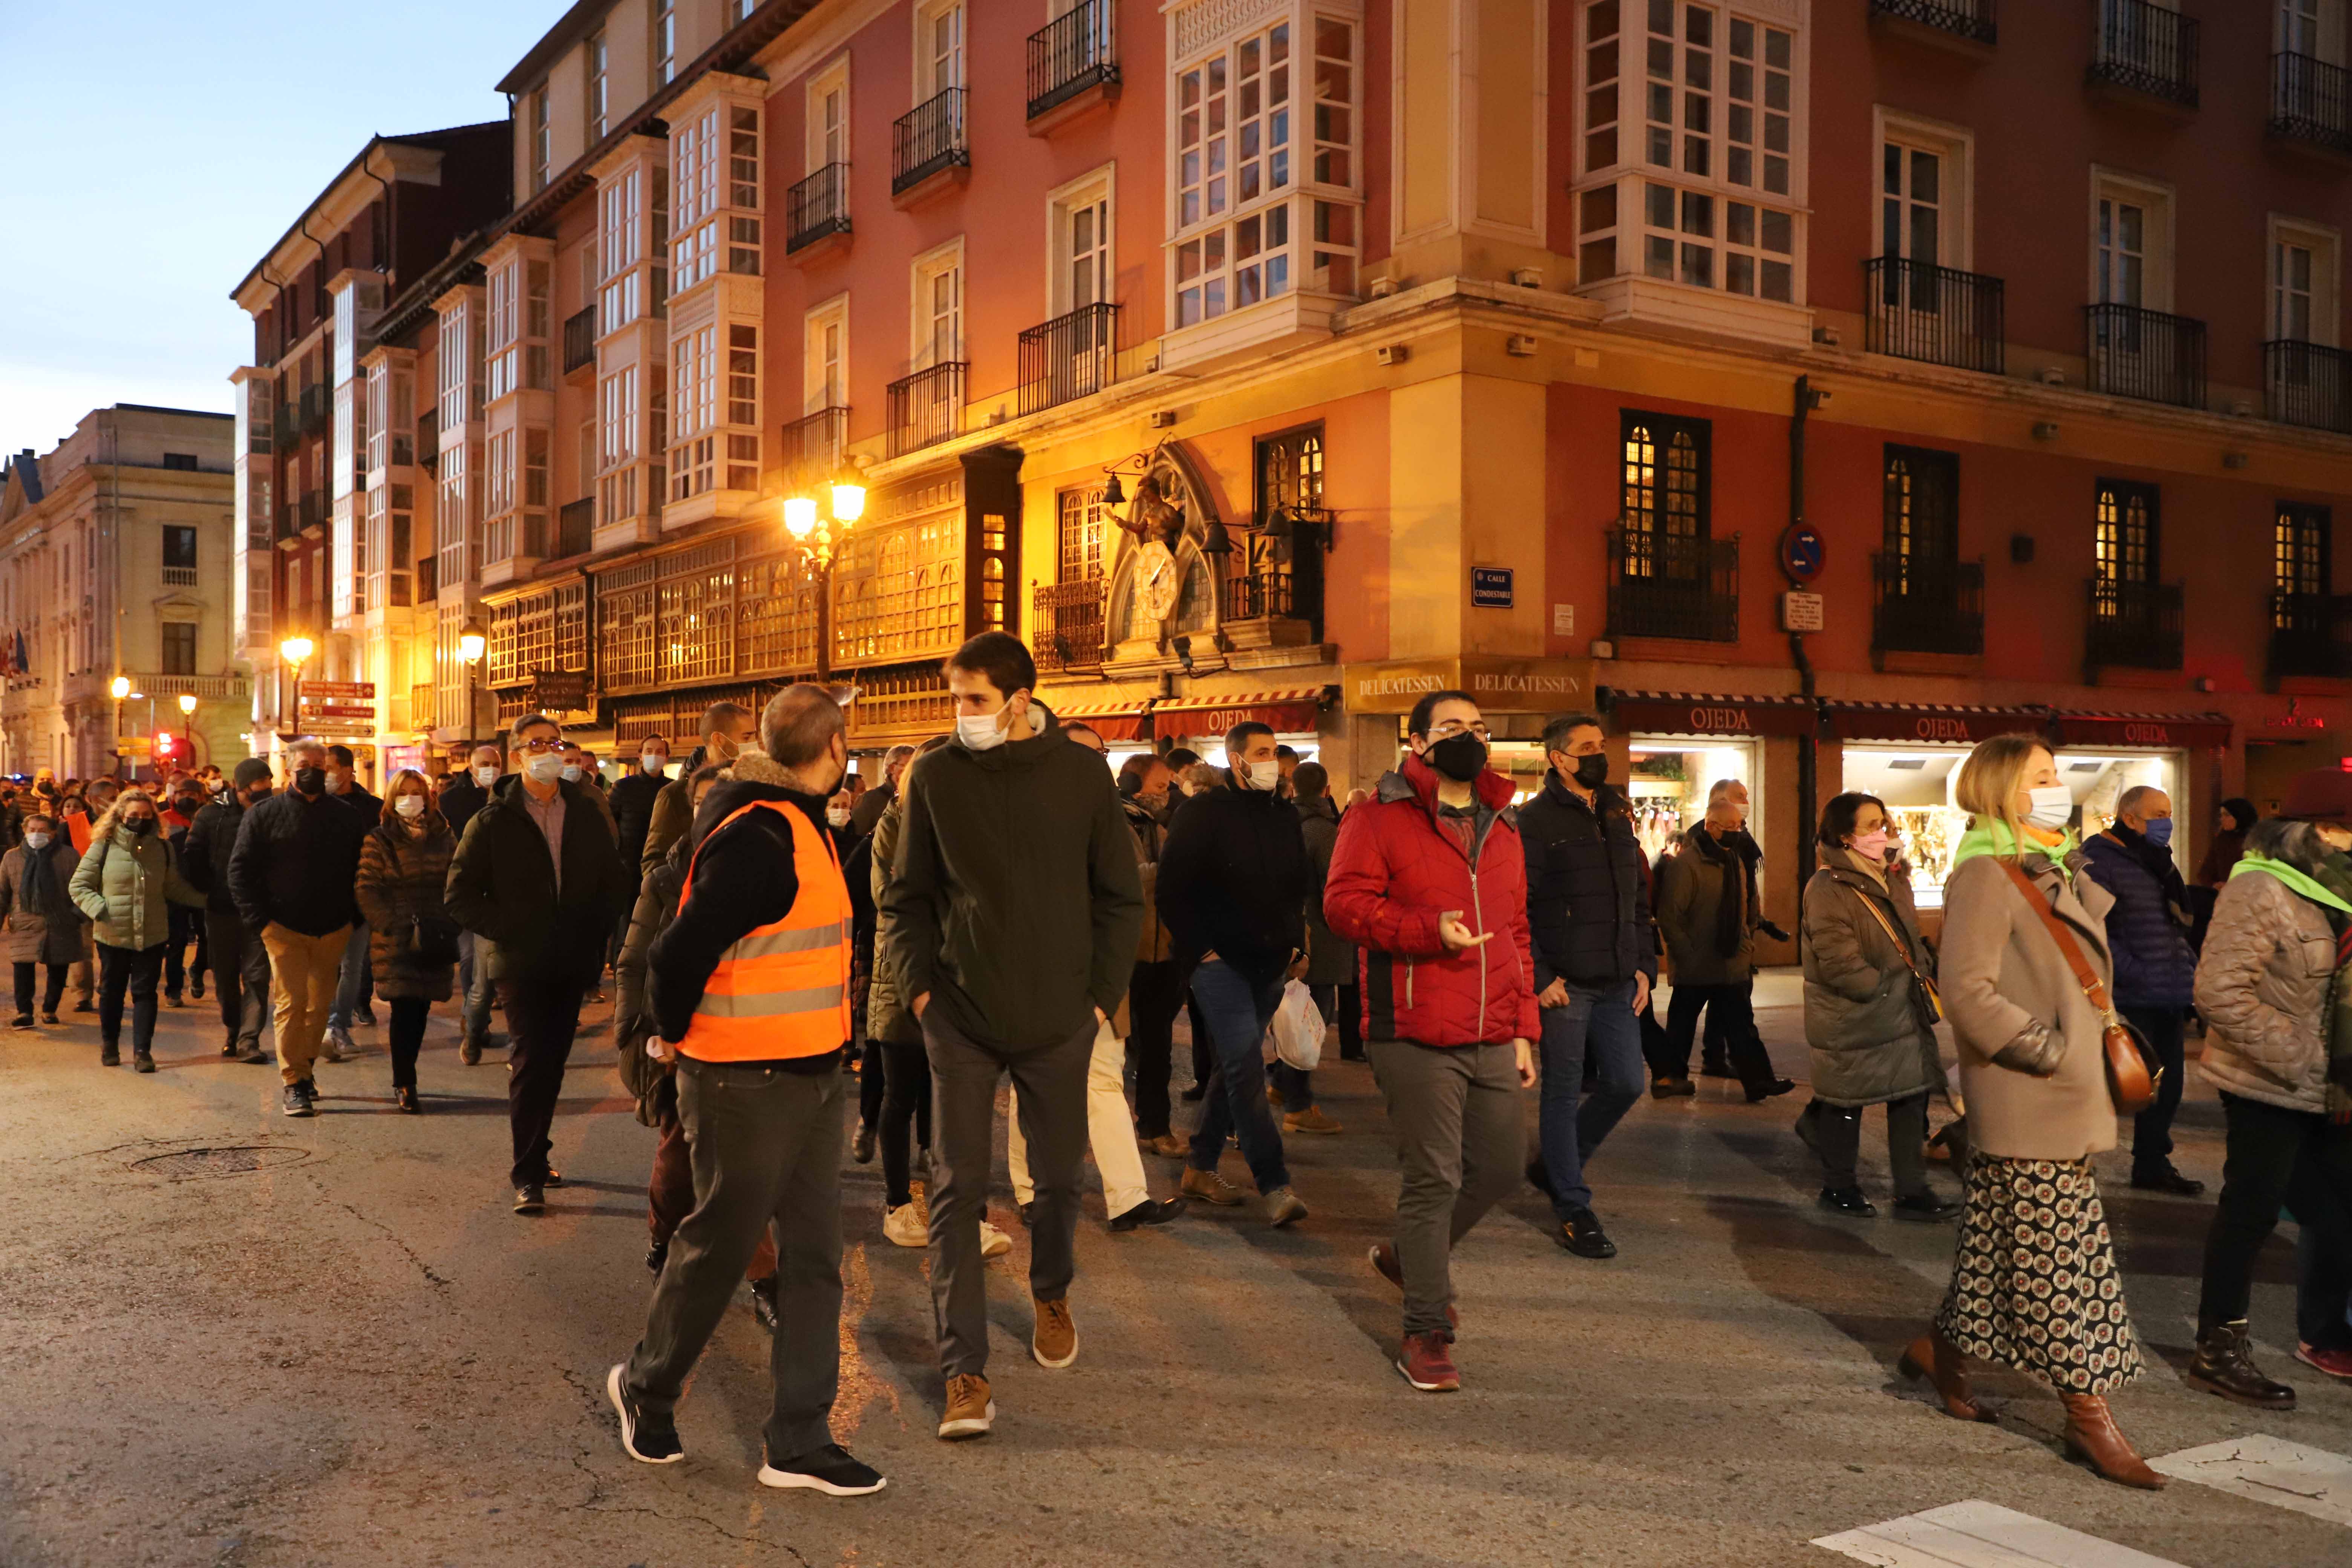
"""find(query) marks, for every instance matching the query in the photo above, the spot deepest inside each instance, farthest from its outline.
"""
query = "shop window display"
(1667, 783)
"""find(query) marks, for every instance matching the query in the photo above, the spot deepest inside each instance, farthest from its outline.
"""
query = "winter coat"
(1691, 888)
(400, 882)
(1394, 872)
(42, 936)
(1331, 959)
(632, 801)
(1014, 901)
(866, 814)
(461, 798)
(652, 1082)
(2002, 975)
(2264, 986)
(502, 887)
(2227, 846)
(887, 1015)
(2154, 965)
(127, 885)
(1588, 902)
(1155, 945)
(204, 856)
(294, 863)
(672, 815)
(1233, 880)
(1860, 1017)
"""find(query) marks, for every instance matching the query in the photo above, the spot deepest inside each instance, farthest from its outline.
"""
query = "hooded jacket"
(1233, 879)
(1394, 872)
(1588, 902)
(1014, 898)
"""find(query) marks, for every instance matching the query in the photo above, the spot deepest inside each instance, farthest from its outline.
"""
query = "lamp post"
(188, 719)
(121, 688)
(818, 535)
(472, 643)
(297, 651)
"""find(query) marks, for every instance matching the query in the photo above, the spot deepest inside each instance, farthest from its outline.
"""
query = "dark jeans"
(1154, 993)
(474, 986)
(1052, 1082)
(1733, 1006)
(1297, 1088)
(766, 1147)
(183, 923)
(1460, 1137)
(873, 1076)
(1344, 1004)
(542, 1013)
(2152, 1128)
(1837, 1135)
(2277, 1155)
(1204, 1054)
(355, 982)
(241, 974)
(408, 1016)
(1598, 1023)
(1238, 1010)
(53, 993)
(137, 970)
(907, 1105)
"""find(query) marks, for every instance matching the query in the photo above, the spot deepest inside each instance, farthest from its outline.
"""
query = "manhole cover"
(229, 1162)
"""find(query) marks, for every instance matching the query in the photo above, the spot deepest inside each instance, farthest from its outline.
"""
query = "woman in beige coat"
(2035, 1285)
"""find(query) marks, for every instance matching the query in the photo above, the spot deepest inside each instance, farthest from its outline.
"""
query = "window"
(179, 555)
(2125, 544)
(2299, 552)
(2306, 27)
(825, 347)
(1700, 64)
(2302, 289)
(1080, 514)
(2131, 242)
(715, 176)
(599, 66)
(541, 139)
(828, 118)
(664, 42)
(452, 358)
(1078, 222)
(1664, 499)
(184, 461)
(938, 307)
(179, 647)
(620, 245)
(938, 48)
(1923, 494)
(2122, 252)
(716, 425)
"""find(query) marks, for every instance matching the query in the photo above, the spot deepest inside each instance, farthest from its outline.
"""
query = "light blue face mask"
(2159, 832)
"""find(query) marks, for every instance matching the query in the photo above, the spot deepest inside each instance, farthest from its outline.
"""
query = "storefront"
(1517, 696)
(1198, 720)
(1679, 745)
(1120, 716)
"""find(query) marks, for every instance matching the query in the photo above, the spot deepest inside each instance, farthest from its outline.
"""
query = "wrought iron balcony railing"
(817, 207)
(580, 340)
(2147, 355)
(927, 139)
(2311, 634)
(317, 404)
(1073, 355)
(2134, 624)
(926, 407)
(1939, 314)
(1926, 606)
(2307, 384)
(2146, 48)
(813, 447)
(1070, 54)
(1266, 595)
(2311, 101)
(1066, 625)
(1662, 586)
(1969, 19)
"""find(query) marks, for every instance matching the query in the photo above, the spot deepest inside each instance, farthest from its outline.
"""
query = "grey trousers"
(765, 1145)
(1837, 1131)
(1461, 1139)
(1051, 1082)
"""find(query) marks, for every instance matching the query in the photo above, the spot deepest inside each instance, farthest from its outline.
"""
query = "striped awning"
(1950, 723)
(2154, 732)
(1289, 711)
(1702, 713)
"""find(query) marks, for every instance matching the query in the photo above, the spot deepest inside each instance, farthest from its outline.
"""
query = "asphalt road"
(355, 1354)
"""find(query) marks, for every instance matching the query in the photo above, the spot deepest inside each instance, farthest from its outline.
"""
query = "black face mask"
(1459, 757)
(190, 805)
(142, 825)
(256, 794)
(1592, 771)
(310, 781)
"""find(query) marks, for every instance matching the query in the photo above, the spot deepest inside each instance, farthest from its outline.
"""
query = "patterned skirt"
(2035, 1285)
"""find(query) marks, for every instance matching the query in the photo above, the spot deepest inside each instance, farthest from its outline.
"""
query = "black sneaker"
(2165, 1178)
(292, 1101)
(530, 1200)
(22, 1021)
(1926, 1208)
(364, 1018)
(830, 1469)
(657, 1254)
(109, 1057)
(1769, 1088)
(646, 1441)
(171, 999)
(48, 1018)
(1151, 1211)
(763, 1302)
(142, 1061)
(1581, 1234)
(1847, 1201)
(230, 1049)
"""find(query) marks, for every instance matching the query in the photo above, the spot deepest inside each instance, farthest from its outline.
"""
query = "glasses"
(1454, 726)
(539, 745)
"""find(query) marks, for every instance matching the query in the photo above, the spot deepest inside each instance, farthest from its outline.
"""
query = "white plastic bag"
(1298, 1028)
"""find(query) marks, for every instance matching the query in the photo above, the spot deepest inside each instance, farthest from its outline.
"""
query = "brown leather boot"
(1931, 1357)
(2224, 1367)
(2091, 1436)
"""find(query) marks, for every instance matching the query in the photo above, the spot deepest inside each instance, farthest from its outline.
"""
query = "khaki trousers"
(1110, 1132)
(303, 972)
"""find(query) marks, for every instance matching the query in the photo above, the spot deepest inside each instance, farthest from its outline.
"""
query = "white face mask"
(37, 841)
(337, 783)
(1265, 776)
(837, 815)
(571, 773)
(982, 731)
(654, 763)
(545, 767)
(486, 775)
(410, 805)
(2052, 804)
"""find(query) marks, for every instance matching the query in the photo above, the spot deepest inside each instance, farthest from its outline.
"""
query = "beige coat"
(2263, 986)
(2002, 974)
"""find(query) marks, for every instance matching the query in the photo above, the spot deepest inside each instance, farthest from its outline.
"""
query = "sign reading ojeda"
(1500, 684)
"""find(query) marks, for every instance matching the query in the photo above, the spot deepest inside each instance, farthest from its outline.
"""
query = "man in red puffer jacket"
(1429, 878)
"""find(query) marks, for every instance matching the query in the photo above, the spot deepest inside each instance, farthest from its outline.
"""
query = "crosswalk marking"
(1978, 1534)
(2272, 1470)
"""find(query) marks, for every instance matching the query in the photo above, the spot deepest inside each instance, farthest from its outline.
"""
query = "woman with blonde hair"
(126, 883)
(412, 940)
(2035, 1285)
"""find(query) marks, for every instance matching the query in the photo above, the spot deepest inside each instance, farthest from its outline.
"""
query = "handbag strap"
(1901, 946)
(2068, 947)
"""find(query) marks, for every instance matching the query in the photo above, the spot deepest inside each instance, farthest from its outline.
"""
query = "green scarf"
(2318, 890)
(2328, 885)
(1992, 836)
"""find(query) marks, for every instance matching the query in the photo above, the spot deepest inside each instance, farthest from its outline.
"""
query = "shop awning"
(2165, 732)
(1114, 719)
(1289, 712)
(1931, 723)
(1698, 714)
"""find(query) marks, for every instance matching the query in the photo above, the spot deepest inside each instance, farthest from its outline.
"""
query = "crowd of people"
(1001, 905)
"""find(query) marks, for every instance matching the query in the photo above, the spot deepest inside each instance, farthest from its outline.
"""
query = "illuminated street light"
(187, 704)
(121, 687)
(800, 515)
(473, 642)
(848, 500)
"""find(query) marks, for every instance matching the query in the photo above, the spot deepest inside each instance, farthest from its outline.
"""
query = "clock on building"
(1157, 580)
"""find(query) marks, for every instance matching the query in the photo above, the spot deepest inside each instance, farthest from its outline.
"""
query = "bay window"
(715, 168)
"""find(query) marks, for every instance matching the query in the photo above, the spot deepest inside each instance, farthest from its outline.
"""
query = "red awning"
(1928, 721)
(1690, 713)
(2166, 732)
(1112, 718)
(1288, 711)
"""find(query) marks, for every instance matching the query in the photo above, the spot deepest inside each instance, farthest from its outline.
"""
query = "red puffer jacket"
(1393, 873)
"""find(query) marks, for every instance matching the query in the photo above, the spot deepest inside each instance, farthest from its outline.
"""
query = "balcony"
(317, 404)
(814, 447)
(929, 139)
(1070, 55)
(1066, 628)
(2145, 354)
(1924, 605)
(2304, 384)
(310, 512)
(2147, 49)
(428, 580)
(288, 425)
(1937, 314)
(429, 440)
(580, 340)
(1969, 21)
(818, 208)
(2136, 626)
(575, 527)
(1073, 355)
(2311, 103)
(926, 407)
(203, 688)
(1670, 587)
(2311, 637)
(1273, 608)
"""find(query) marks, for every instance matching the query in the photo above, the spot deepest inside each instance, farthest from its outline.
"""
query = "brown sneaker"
(1310, 1120)
(1210, 1188)
(1168, 1144)
(969, 1412)
(1055, 1341)
(1427, 1363)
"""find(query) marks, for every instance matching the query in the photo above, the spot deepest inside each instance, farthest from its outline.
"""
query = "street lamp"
(297, 651)
(818, 534)
(472, 643)
(120, 687)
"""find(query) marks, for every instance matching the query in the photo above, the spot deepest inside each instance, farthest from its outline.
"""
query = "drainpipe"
(1809, 746)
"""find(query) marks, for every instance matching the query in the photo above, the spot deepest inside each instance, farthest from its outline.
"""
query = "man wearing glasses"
(538, 880)
(1425, 876)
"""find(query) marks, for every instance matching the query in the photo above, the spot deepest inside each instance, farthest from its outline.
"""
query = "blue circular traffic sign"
(1803, 552)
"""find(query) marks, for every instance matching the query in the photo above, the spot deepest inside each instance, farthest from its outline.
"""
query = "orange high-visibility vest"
(780, 990)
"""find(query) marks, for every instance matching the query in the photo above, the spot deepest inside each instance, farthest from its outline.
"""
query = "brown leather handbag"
(2132, 1074)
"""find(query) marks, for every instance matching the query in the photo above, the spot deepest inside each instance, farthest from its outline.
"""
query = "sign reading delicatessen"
(1500, 685)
